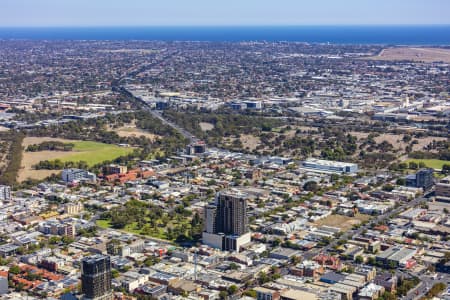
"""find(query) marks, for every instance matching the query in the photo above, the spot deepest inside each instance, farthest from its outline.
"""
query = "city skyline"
(83, 13)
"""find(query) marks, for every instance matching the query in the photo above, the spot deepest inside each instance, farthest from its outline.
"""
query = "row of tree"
(13, 158)
(50, 146)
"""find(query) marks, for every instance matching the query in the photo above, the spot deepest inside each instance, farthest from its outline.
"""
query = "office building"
(73, 208)
(263, 293)
(5, 192)
(210, 218)
(3, 285)
(328, 166)
(422, 179)
(231, 217)
(115, 169)
(96, 277)
(226, 222)
(71, 175)
(196, 148)
(443, 190)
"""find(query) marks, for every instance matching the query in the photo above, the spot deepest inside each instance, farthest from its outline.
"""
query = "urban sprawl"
(197, 170)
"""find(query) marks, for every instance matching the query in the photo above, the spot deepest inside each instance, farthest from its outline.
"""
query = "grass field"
(158, 232)
(431, 163)
(94, 153)
(91, 152)
(105, 224)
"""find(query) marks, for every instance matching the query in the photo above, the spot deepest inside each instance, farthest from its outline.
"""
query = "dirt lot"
(249, 141)
(359, 135)
(31, 158)
(132, 131)
(343, 222)
(414, 54)
(394, 139)
(397, 141)
(206, 126)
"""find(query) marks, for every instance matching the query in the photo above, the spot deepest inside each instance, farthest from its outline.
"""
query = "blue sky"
(221, 12)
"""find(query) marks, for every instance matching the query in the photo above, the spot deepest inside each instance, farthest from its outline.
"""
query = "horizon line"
(219, 25)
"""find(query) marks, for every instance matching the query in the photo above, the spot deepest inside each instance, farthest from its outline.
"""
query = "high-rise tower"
(226, 222)
(231, 217)
(96, 277)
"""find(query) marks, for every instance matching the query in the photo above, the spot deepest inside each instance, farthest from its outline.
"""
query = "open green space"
(154, 232)
(93, 152)
(143, 218)
(105, 224)
(430, 163)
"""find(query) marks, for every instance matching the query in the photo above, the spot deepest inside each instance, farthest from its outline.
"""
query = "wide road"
(157, 114)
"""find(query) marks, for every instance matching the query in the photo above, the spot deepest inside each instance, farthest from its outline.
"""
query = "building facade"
(96, 277)
(5, 192)
(443, 190)
(231, 217)
(321, 165)
(226, 222)
(422, 179)
(71, 175)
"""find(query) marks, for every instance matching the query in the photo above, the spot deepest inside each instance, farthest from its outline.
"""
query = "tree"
(359, 259)
(232, 289)
(263, 278)
(223, 294)
(250, 293)
(413, 165)
(296, 260)
(401, 181)
(388, 187)
(115, 273)
(310, 186)
(15, 269)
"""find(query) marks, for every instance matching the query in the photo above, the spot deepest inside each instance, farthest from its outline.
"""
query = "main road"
(157, 114)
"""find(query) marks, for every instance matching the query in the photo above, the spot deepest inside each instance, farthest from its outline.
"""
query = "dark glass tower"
(96, 276)
(231, 215)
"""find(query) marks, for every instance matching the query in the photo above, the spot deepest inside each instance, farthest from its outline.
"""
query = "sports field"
(90, 152)
(94, 152)
(431, 163)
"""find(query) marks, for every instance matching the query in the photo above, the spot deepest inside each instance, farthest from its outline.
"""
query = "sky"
(57, 13)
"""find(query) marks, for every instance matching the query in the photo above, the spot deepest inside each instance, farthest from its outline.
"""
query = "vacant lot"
(205, 126)
(414, 54)
(249, 141)
(397, 141)
(132, 131)
(343, 222)
(91, 152)
(431, 163)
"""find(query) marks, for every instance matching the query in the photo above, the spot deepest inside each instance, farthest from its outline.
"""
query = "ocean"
(395, 35)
